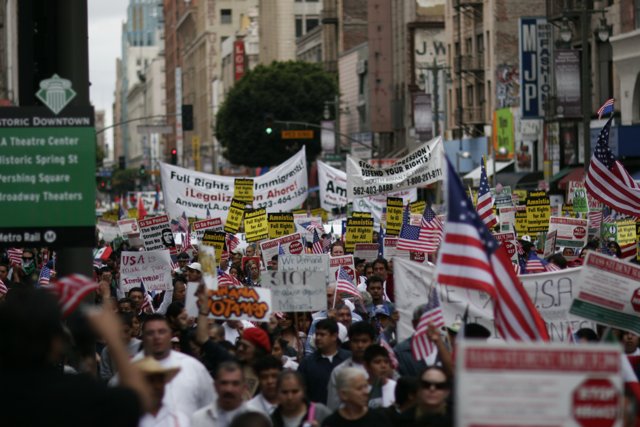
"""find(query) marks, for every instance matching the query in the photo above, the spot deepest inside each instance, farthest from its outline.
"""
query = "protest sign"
(319, 212)
(394, 216)
(333, 186)
(550, 244)
(151, 268)
(626, 234)
(502, 196)
(243, 190)
(208, 260)
(234, 216)
(526, 384)
(215, 239)
(519, 196)
(151, 200)
(507, 215)
(508, 240)
(280, 224)
(281, 189)
(579, 199)
(521, 223)
(199, 227)
(128, 226)
(304, 262)
(296, 291)
(290, 244)
(572, 232)
(377, 204)
(156, 234)
(240, 303)
(256, 226)
(390, 250)
(609, 292)
(344, 261)
(366, 251)
(417, 207)
(538, 212)
(109, 231)
(359, 230)
(357, 214)
(419, 168)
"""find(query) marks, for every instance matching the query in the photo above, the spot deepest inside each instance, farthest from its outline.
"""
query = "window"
(470, 95)
(299, 29)
(480, 43)
(456, 49)
(312, 23)
(468, 44)
(225, 16)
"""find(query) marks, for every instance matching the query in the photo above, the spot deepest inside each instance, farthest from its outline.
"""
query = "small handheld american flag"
(421, 345)
(606, 108)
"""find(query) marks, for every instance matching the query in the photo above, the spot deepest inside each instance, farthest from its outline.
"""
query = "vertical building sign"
(238, 59)
(535, 66)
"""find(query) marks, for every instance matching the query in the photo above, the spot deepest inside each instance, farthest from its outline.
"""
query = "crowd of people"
(140, 359)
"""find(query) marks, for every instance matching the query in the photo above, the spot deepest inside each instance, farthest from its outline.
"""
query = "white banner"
(552, 294)
(419, 168)
(281, 189)
(333, 186)
(296, 291)
(151, 268)
(376, 204)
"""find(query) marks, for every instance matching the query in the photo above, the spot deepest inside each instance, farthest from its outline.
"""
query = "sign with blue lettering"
(535, 66)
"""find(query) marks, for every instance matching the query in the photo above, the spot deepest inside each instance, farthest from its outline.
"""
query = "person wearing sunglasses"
(433, 404)
(27, 273)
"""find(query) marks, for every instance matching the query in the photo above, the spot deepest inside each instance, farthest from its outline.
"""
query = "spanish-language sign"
(296, 291)
(280, 224)
(215, 239)
(538, 212)
(240, 303)
(283, 188)
(519, 196)
(394, 216)
(419, 168)
(508, 240)
(366, 251)
(626, 232)
(256, 226)
(609, 292)
(417, 207)
(359, 230)
(550, 244)
(199, 227)
(156, 234)
(151, 268)
(128, 226)
(333, 186)
(572, 232)
(234, 216)
(290, 245)
(357, 214)
(47, 165)
(521, 220)
(344, 261)
(243, 190)
(208, 260)
(526, 384)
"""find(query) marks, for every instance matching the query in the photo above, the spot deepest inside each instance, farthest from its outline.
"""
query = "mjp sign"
(535, 66)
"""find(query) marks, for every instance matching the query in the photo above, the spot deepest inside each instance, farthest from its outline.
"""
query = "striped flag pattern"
(423, 238)
(142, 212)
(421, 345)
(225, 279)
(485, 200)
(606, 108)
(186, 243)
(628, 251)
(147, 303)
(71, 290)
(608, 181)
(316, 248)
(535, 264)
(232, 242)
(470, 257)
(3, 288)
(45, 276)
(392, 354)
(183, 222)
(345, 284)
(15, 256)
(595, 218)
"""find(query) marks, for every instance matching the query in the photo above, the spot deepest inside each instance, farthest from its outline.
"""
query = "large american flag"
(608, 181)
(485, 200)
(71, 290)
(421, 345)
(423, 238)
(470, 257)
(317, 247)
(345, 284)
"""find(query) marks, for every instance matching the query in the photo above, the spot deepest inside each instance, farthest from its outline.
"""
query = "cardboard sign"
(199, 227)
(366, 251)
(344, 261)
(521, 220)
(377, 204)
(234, 216)
(609, 292)
(240, 303)
(256, 226)
(151, 268)
(538, 212)
(555, 385)
(280, 224)
(417, 207)
(215, 239)
(390, 249)
(156, 234)
(572, 232)
(550, 244)
(359, 230)
(243, 190)
(208, 259)
(508, 240)
(296, 291)
(304, 262)
(502, 196)
(290, 244)
(394, 216)
(319, 212)
(128, 226)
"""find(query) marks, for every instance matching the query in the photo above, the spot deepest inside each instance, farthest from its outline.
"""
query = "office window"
(225, 16)
(312, 23)
(299, 28)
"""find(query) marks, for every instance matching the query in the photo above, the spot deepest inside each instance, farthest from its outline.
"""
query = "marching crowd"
(140, 359)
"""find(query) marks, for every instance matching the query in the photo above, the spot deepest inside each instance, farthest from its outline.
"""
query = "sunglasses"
(27, 258)
(438, 386)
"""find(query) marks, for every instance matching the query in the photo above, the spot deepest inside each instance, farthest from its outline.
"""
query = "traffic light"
(174, 156)
(268, 124)
(187, 117)
(142, 171)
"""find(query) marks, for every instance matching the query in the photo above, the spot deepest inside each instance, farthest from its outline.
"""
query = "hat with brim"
(150, 366)
(195, 266)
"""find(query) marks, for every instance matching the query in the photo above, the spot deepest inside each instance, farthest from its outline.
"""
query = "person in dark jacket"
(294, 408)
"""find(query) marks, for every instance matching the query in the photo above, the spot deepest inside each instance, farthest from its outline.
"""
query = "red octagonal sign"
(510, 247)
(295, 248)
(596, 403)
(579, 232)
(635, 300)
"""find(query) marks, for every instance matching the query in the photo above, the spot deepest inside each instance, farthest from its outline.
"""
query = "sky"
(105, 26)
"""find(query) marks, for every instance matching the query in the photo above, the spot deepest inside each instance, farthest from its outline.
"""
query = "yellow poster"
(280, 224)
(215, 239)
(361, 214)
(394, 215)
(234, 216)
(321, 213)
(256, 226)
(519, 197)
(538, 212)
(418, 207)
(521, 220)
(626, 232)
(243, 190)
(359, 230)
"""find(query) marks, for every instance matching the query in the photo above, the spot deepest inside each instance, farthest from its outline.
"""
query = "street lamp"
(459, 155)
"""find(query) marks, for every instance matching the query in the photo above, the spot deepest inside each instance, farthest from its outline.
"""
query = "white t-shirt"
(164, 418)
(260, 404)
(388, 393)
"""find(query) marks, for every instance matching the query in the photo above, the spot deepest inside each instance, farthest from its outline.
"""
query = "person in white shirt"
(192, 388)
(267, 369)
(157, 377)
(230, 386)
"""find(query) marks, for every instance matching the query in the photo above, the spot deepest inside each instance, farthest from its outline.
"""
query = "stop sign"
(635, 300)
(596, 403)
(579, 232)
(510, 247)
(417, 256)
(295, 248)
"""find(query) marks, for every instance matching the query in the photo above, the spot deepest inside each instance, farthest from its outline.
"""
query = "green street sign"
(47, 176)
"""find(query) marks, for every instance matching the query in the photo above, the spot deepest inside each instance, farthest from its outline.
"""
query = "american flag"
(381, 242)
(45, 276)
(15, 256)
(316, 248)
(628, 251)
(608, 181)
(516, 268)
(470, 257)
(326, 243)
(595, 218)
(535, 264)
(225, 279)
(552, 267)
(485, 200)
(392, 354)
(311, 226)
(421, 345)
(606, 108)
(142, 212)
(345, 284)
(183, 222)
(232, 242)
(3, 288)
(147, 303)
(186, 243)
(423, 238)
(71, 290)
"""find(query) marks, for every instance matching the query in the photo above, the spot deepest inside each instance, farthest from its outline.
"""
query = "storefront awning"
(474, 175)
(567, 175)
